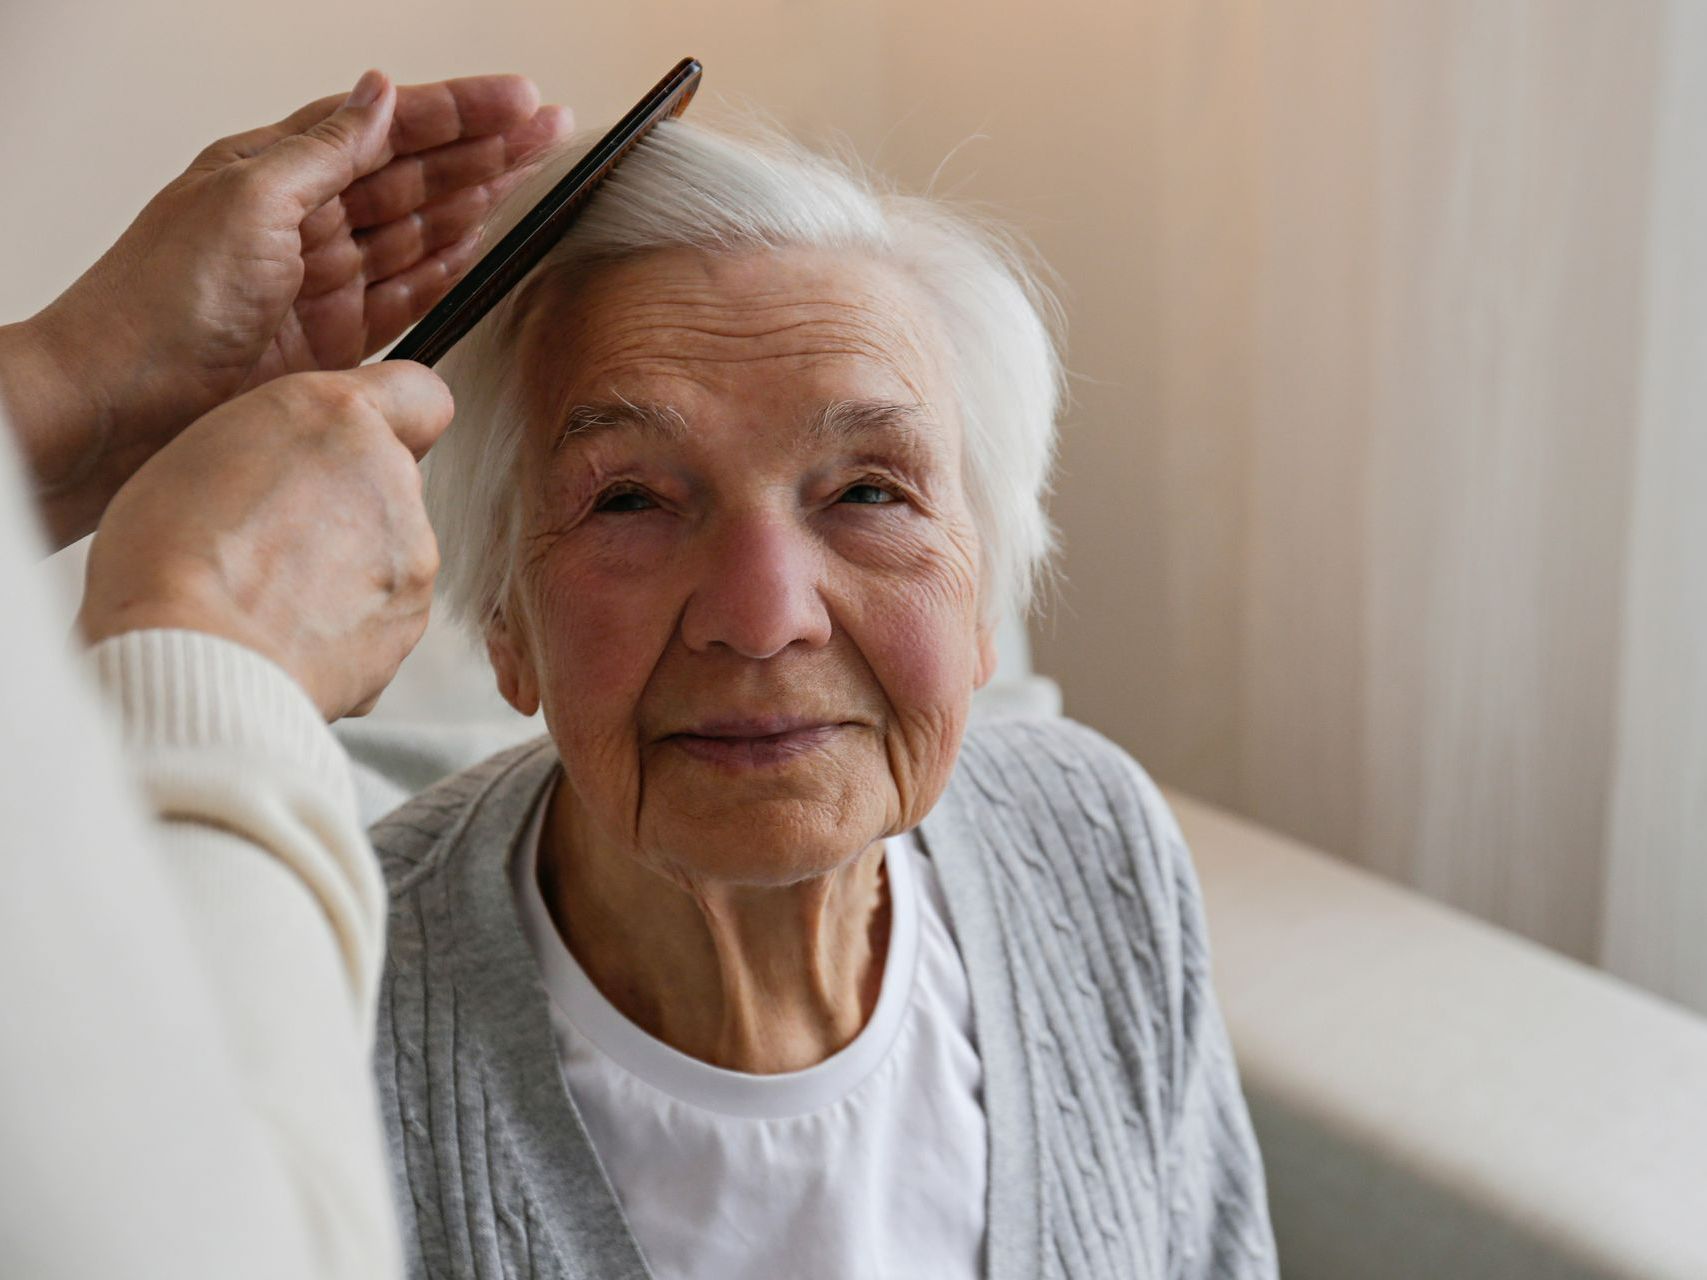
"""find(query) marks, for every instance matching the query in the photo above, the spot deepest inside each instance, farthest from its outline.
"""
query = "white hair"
(689, 186)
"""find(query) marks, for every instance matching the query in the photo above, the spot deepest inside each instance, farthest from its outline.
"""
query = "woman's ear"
(986, 667)
(506, 649)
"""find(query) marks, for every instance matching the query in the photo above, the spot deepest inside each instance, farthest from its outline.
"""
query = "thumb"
(411, 397)
(311, 166)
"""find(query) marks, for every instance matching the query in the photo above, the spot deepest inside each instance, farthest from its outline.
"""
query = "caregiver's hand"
(290, 521)
(308, 244)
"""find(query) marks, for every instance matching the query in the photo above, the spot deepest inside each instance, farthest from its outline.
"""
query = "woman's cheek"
(916, 632)
(919, 659)
(606, 622)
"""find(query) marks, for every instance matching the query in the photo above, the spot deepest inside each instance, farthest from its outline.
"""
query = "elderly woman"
(762, 964)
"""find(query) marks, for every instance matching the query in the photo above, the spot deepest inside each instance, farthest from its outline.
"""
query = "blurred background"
(1383, 486)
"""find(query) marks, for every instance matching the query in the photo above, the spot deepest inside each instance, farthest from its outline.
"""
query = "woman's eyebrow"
(842, 421)
(584, 421)
(839, 422)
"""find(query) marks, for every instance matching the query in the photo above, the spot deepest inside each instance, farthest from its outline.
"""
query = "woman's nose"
(758, 591)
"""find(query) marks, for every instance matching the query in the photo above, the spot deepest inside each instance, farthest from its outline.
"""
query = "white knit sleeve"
(184, 1091)
(283, 900)
(221, 738)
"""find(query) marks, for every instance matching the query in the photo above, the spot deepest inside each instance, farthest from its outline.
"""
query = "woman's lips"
(750, 746)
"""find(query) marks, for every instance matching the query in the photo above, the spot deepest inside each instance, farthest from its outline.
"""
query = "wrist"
(152, 605)
(176, 689)
(46, 402)
(64, 428)
(179, 607)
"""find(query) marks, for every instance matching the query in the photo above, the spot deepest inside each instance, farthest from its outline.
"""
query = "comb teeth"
(542, 226)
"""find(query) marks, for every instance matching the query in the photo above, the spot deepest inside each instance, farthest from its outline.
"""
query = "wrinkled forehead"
(766, 329)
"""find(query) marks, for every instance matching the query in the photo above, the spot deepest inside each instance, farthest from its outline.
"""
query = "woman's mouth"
(754, 744)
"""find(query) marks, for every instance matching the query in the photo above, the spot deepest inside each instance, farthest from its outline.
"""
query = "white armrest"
(1438, 1099)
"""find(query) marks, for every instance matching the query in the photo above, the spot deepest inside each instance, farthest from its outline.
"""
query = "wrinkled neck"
(758, 979)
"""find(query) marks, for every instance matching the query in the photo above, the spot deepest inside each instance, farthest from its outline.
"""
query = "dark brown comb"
(531, 239)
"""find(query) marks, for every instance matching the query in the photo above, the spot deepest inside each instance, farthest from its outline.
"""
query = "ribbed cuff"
(186, 689)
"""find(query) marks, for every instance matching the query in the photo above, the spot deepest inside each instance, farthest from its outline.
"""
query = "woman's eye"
(623, 500)
(866, 495)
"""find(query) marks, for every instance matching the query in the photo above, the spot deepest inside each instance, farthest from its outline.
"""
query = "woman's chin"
(765, 843)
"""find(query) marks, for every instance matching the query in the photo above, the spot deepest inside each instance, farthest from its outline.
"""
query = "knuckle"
(334, 134)
(330, 408)
(216, 154)
(351, 405)
(339, 400)
(246, 184)
(285, 407)
(423, 565)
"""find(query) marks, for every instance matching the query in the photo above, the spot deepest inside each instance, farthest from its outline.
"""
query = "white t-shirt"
(870, 1164)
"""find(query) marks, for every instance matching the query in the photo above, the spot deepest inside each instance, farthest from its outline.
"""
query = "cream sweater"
(189, 944)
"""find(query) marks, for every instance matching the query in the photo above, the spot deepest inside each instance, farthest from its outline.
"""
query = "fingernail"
(366, 92)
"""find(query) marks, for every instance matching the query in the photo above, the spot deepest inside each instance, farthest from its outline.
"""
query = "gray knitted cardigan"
(1119, 1141)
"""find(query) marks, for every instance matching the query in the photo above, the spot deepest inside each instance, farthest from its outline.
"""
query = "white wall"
(104, 100)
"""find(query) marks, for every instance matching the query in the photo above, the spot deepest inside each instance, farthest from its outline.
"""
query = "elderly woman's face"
(746, 590)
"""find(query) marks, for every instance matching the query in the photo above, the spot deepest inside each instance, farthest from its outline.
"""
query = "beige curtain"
(1475, 416)
(1655, 909)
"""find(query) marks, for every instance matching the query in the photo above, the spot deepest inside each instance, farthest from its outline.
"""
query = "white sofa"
(1437, 1099)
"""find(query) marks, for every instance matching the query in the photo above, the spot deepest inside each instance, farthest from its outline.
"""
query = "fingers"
(399, 245)
(417, 205)
(310, 168)
(369, 257)
(411, 397)
(393, 305)
(431, 115)
(317, 152)
(325, 557)
(411, 181)
(426, 115)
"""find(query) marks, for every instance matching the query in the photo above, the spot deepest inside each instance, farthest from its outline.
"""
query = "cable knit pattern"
(1120, 1144)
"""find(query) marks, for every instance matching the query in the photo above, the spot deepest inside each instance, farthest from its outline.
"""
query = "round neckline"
(700, 1084)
